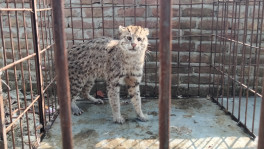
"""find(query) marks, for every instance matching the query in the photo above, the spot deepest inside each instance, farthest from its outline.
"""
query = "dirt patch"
(149, 132)
(154, 113)
(187, 103)
(181, 130)
(85, 134)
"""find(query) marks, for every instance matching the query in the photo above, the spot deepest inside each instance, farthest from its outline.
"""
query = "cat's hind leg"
(86, 93)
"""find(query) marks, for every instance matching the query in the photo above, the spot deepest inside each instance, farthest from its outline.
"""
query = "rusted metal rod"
(165, 72)
(61, 63)
(15, 9)
(261, 126)
(240, 83)
(44, 9)
(261, 122)
(22, 114)
(3, 140)
(235, 41)
(35, 31)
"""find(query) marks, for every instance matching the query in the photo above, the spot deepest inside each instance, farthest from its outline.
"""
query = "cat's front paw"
(75, 109)
(142, 118)
(119, 120)
(99, 101)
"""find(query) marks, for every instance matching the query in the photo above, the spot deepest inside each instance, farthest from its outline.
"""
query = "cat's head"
(133, 39)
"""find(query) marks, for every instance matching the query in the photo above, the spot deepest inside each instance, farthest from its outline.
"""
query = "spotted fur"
(116, 61)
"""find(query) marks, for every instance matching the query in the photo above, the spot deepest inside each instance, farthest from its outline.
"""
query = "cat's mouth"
(133, 49)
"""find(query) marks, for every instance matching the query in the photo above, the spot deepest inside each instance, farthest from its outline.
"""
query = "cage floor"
(196, 123)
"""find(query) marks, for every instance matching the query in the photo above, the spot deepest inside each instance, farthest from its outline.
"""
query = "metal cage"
(209, 48)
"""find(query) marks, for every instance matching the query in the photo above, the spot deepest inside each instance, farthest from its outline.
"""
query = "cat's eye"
(139, 39)
(129, 38)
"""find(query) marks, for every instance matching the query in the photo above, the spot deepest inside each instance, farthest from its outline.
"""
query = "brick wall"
(197, 28)
(192, 54)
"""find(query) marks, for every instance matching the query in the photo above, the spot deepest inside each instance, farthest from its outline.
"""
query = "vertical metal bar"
(47, 74)
(23, 83)
(211, 91)
(61, 63)
(135, 11)
(28, 69)
(261, 121)
(71, 23)
(234, 61)
(165, 72)
(257, 54)
(113, 14)
(44, 33)
(215, 62)
(221, 63)
(82, 20)
(52, 57)
(3, 140)
(15, 75)
(156, 51)
(230, 55)
(250, 57)
(34, 24)
(244, 56)
(189, 52)
(102, 7)
(92, 17)
(124, 14)
(145, 64)
(236, 55)
(7, 79)
(224, 51)
(178, 56)
(200, 49)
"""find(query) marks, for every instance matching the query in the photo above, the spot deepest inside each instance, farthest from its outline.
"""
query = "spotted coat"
(118, 62)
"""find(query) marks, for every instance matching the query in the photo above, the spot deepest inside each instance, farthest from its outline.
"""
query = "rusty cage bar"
(216, 52)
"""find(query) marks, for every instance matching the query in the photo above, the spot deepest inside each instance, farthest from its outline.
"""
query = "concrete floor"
(195, 124)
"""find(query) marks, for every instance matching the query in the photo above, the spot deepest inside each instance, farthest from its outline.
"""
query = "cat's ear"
(121, 29)
(146, 31)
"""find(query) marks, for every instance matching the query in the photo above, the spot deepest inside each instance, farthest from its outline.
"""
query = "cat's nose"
(133, 44)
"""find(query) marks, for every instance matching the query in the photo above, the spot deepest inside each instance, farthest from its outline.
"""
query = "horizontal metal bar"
(45, 49)
(235, 41)
(15, 9)
(44, 90)
(17, 62)
(153, 37)
(23, 59)
(44, 9)
(138, 5)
